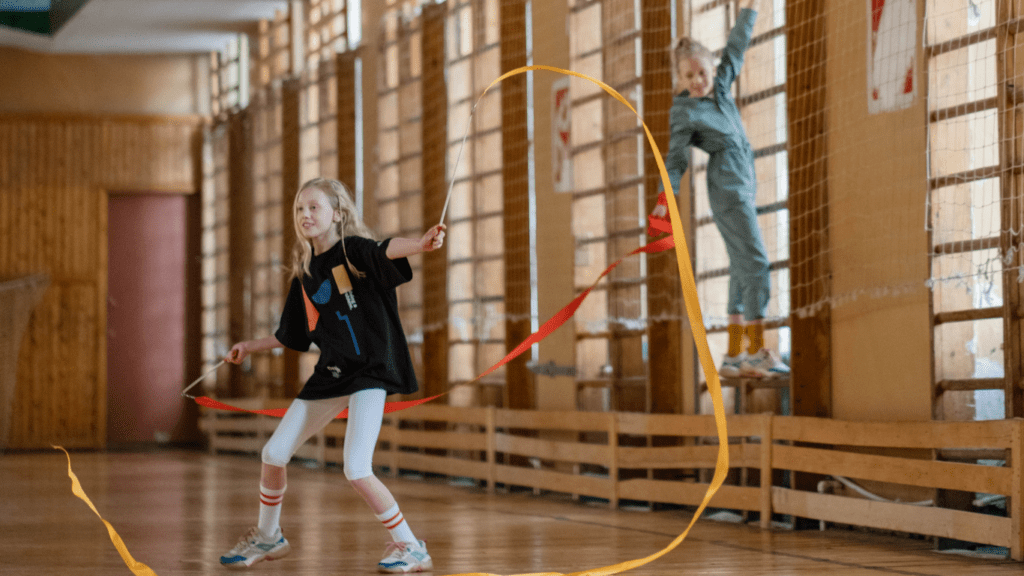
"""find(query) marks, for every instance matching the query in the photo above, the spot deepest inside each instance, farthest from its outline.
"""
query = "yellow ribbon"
(696, 325)
(138, 568)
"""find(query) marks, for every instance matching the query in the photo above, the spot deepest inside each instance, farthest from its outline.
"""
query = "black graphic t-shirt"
(354, 321)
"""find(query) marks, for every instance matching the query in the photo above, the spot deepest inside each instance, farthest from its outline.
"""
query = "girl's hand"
(660, 211)
(238, 353)
(433, 239)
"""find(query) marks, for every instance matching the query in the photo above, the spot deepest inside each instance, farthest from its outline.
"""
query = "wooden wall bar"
(664, 295)
(240, 241)
(55, 172)
(290, 122)
(808, 194)
(435, 190)
(519, 383)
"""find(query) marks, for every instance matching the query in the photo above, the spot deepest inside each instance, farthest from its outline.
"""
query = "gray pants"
(732, 192)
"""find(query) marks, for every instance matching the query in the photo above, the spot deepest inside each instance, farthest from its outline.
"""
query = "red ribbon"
(550, 326)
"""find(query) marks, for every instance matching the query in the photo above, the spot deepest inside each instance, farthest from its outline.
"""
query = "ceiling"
(134, 26)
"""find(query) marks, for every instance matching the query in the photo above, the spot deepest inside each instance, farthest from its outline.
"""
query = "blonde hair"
(351, 224)
(684, 48)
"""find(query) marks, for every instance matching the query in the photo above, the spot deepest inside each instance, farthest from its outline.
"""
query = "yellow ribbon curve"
(692, 303)
(696, 325)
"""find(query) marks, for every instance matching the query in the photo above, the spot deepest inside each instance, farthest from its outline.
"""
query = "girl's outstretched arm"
(403, 247)
(242, 349)
(749, 4)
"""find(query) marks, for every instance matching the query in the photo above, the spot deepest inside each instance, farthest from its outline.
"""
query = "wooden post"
(613, 460)
(1009, 69)
(435, 190)
(810, 269)
(240, 240)
(515, 175)
(345, 77)
(766, 470)
(290, 121)
(492, 443)
(811, 380)
(664, 296)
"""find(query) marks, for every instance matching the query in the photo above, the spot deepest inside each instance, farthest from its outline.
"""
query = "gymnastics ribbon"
(137, 568)
(692, 304)
(689, 286)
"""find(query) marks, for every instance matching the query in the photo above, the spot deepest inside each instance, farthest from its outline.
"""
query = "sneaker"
(402, 557)
(763, 364)
(731, 365)
(253, 547)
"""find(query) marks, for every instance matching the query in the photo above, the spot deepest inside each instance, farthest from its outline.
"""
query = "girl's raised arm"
(403, 247)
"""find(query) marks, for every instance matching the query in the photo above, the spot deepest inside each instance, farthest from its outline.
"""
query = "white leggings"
(305, 418)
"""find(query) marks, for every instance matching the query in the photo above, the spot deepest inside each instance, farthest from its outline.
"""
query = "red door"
(145, 317)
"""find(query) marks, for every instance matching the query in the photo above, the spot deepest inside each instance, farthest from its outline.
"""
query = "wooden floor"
(178, 511)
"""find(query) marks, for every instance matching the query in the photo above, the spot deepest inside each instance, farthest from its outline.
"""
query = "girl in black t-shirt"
(342, 298)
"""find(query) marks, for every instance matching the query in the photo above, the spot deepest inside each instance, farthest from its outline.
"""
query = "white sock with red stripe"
(395, 522)
(270, 510)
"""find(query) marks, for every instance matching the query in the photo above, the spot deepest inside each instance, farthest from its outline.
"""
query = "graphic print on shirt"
(312, 316)
(323, 293)
(350, 330)
(344, 285)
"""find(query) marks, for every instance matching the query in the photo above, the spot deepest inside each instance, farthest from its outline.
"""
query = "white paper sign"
(892, 54)
(561, 156)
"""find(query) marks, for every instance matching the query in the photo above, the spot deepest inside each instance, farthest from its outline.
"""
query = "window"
(970, 176)
(399, 138)
(476, 268)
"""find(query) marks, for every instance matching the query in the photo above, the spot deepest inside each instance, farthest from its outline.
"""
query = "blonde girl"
(342, 298)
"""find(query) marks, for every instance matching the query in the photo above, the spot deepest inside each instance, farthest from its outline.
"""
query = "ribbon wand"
(200, 379)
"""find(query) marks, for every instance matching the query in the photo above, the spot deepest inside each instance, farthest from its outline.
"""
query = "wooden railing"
(580, 453)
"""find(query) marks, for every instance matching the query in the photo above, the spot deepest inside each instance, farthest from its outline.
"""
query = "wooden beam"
(1009, 67)
(809, 239)
(435, 144)
(345, 77)
(667, 346)
(290, 122)
(240, 240)
(515, 175)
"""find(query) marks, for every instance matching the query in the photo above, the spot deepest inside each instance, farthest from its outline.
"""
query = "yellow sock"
(735, 339)
(755, 332)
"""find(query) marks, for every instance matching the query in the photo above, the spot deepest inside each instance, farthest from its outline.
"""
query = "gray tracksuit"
(713, 124)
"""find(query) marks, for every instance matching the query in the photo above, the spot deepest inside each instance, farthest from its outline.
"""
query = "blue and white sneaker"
(763, 364)
(732, 365)
(253, 547)
(402, 557)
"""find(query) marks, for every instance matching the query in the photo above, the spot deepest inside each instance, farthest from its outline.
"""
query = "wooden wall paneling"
(290, 163)
(664, 307)
(519, 382)
(55, 171)
(435, 144)
(18, 298)
(808, 208)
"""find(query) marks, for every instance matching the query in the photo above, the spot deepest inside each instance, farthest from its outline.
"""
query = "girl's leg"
(755, 333)
(735, 334)
(364, 416)
(303, 419)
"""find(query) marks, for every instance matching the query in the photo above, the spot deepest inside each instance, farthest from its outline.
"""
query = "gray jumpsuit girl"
(713, 124)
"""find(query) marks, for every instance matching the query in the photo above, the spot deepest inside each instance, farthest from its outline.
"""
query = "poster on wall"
(892, 55)
(561, 159)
